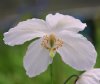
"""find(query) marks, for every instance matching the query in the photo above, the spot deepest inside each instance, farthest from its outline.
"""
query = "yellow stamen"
(52, 43)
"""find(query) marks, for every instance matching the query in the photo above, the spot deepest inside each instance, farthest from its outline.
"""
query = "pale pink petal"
(36, 59)
(77, 51)
(25, 31)
(59, 22)
(90, 77)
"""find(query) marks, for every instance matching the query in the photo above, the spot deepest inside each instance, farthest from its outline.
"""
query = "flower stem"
(51, 72)
(70, 78)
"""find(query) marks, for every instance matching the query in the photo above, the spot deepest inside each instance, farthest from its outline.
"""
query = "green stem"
(71, 77)
(51, 72)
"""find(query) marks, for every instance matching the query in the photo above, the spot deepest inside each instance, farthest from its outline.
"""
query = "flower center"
(52, 43)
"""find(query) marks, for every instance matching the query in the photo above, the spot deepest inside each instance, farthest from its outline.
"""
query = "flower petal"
(36, 59)
(25, 31)
(64, 22)
(90, 77)
(77, 51)
(87, 80)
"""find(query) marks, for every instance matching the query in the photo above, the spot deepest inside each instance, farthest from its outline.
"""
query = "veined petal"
(77, 51)
(25, 31)
(87, 80)
(64, 22)
(90, 77)
(36, 59)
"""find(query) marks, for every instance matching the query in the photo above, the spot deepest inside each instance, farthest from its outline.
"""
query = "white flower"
(59, 33)
(90, 77)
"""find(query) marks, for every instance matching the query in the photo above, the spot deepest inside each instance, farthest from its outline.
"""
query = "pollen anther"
(51, 42)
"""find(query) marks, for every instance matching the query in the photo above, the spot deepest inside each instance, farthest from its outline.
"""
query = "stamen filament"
(51, 43)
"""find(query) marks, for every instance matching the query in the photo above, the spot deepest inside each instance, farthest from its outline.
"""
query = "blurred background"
(14, 11)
